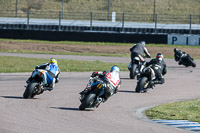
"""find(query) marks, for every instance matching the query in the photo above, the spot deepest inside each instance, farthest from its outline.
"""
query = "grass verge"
(184, 110)
(21, 64)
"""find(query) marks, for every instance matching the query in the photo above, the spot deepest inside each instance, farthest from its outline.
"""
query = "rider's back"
(138, 48)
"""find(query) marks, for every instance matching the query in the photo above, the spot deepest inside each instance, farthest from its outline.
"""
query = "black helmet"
(159, 57)
(175, 49)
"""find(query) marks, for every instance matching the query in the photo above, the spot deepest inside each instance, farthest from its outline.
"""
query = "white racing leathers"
(112, 83)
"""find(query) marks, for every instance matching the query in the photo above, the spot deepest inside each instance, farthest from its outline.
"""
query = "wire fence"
(99, 21)
(103, 16)
(138, 16)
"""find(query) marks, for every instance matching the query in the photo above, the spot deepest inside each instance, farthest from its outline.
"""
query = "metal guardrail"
(124, 23)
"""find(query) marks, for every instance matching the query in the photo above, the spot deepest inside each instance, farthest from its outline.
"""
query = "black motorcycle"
(143, 83)
(183, 58)
(34, 87)
(91, 98)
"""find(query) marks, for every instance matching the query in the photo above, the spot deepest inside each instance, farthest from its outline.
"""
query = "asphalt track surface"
(57, 111)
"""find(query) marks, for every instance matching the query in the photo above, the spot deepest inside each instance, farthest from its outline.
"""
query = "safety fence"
(100, 21)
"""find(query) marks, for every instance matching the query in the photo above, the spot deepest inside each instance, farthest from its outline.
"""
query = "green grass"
(184, 110)
(183, 7)
(19, 64)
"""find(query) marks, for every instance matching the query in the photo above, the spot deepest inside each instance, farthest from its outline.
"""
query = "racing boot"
(151, 84)
(47, 87)
(99, 100)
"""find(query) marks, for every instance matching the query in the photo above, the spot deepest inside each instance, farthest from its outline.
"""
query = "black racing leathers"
(160, 69)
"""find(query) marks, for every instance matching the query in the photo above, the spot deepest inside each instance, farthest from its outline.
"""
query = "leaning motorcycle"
(92, 97)
(185, 60)
(143, 83)
(136, 67)
(34, 87)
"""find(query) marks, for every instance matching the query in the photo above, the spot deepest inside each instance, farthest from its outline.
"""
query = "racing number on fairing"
(99, 86)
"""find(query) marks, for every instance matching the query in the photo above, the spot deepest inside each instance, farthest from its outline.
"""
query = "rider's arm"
(132, 48)
(149, 63)
(147, 53)
(98, 73)
(57, 76)
(43, 66)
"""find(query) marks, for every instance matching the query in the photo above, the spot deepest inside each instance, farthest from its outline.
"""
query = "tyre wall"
(83, 36)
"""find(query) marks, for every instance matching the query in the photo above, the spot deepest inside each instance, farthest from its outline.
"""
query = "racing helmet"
(115, 68)
(143, 43)
(159, 57)
(52, 60)
(175, 49)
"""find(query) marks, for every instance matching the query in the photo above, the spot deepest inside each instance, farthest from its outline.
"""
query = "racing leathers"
(160, 69)
(49, 72)
(179, 56)
(111, 81)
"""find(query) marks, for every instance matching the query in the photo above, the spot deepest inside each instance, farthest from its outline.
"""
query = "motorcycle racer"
(111, 81)
(160, 68)
(183, 58)
(179, 55)
(49, 72)
(138, 50)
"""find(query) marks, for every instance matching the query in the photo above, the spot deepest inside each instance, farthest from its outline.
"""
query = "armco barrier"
(83, 36)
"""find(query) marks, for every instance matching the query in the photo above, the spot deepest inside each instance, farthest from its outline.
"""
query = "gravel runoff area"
(107, 49)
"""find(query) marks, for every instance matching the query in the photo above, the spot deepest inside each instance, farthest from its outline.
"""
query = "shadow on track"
(127, 78)
(73, 109)
(127, 91)
(12, 97)
(63, 108)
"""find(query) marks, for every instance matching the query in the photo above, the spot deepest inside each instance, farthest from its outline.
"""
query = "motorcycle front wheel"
(141, 85)
(87, 100)
(191, 61)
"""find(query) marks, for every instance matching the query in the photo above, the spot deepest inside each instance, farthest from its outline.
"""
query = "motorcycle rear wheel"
(133, 71)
